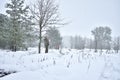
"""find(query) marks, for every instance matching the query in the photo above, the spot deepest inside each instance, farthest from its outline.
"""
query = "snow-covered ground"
(67, 65)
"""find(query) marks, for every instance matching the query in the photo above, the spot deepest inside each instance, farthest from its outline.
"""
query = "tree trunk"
(39, 47)
(40, 38)
(46, 49)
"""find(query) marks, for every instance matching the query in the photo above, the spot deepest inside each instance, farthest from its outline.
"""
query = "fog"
(85, 15)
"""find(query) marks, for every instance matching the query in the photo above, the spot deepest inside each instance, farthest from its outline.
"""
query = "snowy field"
(67, 65)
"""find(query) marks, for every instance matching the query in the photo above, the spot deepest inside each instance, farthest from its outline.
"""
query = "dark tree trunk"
(46, 49)
(40, 38)
(46, 43)
(39, 48)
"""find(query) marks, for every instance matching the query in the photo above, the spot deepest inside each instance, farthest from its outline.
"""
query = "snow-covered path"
(73, 65)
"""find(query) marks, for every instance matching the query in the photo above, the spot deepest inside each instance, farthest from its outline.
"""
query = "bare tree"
(101, 35)
(45, 13)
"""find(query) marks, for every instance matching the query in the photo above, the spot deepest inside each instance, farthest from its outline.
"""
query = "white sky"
(85, 15)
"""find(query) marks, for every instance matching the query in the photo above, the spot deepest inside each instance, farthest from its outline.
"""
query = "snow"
(70, 64)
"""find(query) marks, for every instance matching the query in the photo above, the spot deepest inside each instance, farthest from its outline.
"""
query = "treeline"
(78, 42)
(101, 40)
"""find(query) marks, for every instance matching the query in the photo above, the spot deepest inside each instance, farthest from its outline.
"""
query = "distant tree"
(72, 42)
(116, 44)
(107, 38)
(77, 42)
(80, 42)
(101, 35)
(17, 13)
(45, 13)
(91, 43)
(83, 43)
(54, 37)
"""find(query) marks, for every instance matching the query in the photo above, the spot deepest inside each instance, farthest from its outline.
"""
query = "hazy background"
(85, 15)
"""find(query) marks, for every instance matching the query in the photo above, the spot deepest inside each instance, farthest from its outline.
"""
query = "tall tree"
(17, 13)
(101, 35)
(45, 13)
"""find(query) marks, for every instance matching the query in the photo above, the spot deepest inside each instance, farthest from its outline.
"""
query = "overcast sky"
(85, 15)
